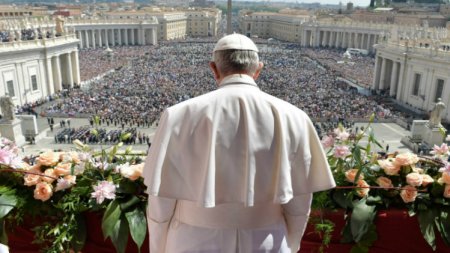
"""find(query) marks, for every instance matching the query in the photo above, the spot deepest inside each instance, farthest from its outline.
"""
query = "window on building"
(416, 84)
(439, 89)
(10, 87)
(34, 85)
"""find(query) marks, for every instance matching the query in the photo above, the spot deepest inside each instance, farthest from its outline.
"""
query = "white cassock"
(233, 171)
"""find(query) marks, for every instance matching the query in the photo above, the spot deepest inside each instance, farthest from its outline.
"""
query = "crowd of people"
(357, 68)
(101, 135)
(155, 77)
(24, 34)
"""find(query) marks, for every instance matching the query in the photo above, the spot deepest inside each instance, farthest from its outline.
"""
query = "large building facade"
(415, 74)
(34, 69)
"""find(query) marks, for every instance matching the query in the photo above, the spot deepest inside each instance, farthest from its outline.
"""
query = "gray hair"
(236, 61)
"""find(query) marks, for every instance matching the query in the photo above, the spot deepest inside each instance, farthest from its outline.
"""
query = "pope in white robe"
(233, 170)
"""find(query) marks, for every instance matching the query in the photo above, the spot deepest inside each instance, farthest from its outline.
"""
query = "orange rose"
(48, 158)
(426, 180)
(32, 179)
(63, 169)
(350, 175)
(389, 167)
(50, 176)
(43, 191)
(384, 182)
(364, 190)
(445, 177)
(132, 172)
(447, 191)
(408, 194)
(414, 179)
(406, 159)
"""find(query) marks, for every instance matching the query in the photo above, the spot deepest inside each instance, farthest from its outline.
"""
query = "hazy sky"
(344, 2)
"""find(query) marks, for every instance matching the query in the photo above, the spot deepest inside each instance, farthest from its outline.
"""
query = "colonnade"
(388, 75)
(104, 37)
(340, 38)
(63, 71)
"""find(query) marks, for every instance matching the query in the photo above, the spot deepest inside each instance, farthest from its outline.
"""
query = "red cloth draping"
(397, 233)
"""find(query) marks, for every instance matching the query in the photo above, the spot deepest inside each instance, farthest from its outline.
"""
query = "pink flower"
(6, 156)
(384, 182)
(341, 151)
(408, 194)
(440, 151)
(350, 175)
(65, 183)
(341, 134)
(389, 167)
(43, 191)
(327, 141)
(414, 179)
(445, 168)
(447, 191)
(104, 190)
(364, 188)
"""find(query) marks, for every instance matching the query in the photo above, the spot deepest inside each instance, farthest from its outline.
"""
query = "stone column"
(69, 71)
(49, 75)
(382, 84)
(75, 67)
(80, 37)
(133, 42)
(57, 73)
(86, 36)
(106, 38)
(126, 36)
(42, 78)
(393, 84)
(376, 76)
(139, 38)
(361, 40)
(120, 37)
(99, 40)
(93, 39)
(400, 82)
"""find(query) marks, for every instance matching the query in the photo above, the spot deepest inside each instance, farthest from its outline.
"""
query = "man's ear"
(258, 71)
(213, 67)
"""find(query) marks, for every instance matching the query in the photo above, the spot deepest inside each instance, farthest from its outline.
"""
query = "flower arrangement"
(58, 187)
(369, 181)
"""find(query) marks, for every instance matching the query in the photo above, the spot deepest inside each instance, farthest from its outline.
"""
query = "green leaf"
(119, 235)
(347, 233)
(132, 202)
(110, 218)
(127, 186)
(7, 203)
(361, 219)
(79, 237)
(340, 196)
(125, 136)
(138, 226)
(443, 225)
(426, 222)
(94, 132)
(3, 235)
